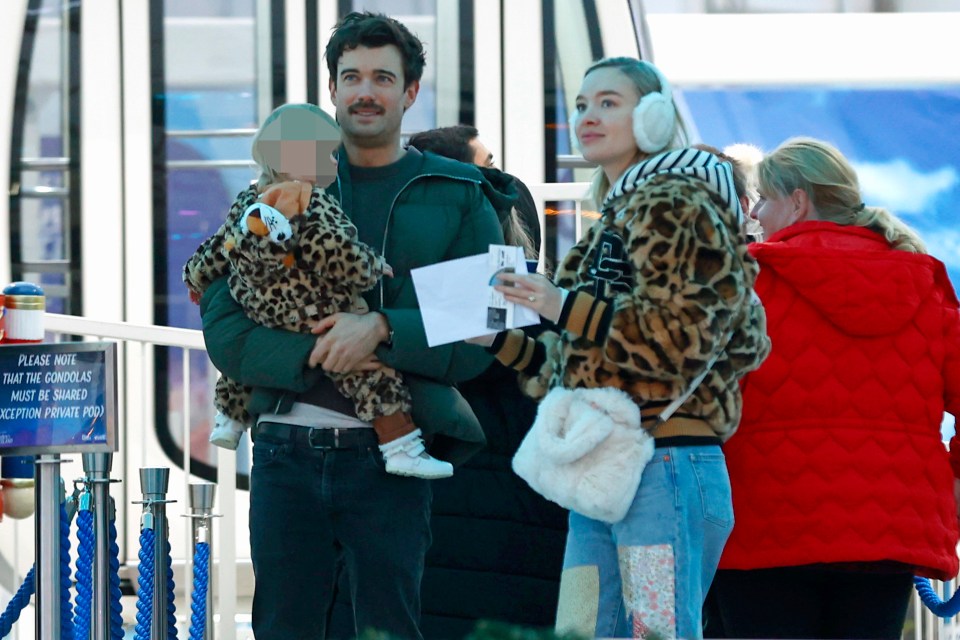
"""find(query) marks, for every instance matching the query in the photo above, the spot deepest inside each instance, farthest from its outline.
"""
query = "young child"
(292, 257)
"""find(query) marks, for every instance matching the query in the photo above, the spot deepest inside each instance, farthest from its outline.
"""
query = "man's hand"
(347, 341)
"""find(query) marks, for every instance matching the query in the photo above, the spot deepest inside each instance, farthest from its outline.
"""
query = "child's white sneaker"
(407, 456)
(226, 432)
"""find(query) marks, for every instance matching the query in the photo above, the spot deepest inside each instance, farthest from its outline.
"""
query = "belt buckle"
(313, 435)
(317, 432)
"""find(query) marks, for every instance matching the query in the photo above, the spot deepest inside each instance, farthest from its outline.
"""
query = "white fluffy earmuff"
(655, 116)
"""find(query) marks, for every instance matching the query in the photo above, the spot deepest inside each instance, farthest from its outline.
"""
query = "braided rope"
(85, 552)
(941, 608)
(171, 604)
(201, 576)
(66, 608)
(22, 597)
(116, 608)
(17, 603)
(145, 580)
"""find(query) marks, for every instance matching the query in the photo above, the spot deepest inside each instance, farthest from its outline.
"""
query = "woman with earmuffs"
(654, 303)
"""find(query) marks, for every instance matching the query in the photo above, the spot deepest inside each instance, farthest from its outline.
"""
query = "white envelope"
(453, 297)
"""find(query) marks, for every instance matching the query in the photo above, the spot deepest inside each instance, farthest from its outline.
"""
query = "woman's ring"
(532, 298)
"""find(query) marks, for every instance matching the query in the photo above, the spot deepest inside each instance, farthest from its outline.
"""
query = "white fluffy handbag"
(586, 451)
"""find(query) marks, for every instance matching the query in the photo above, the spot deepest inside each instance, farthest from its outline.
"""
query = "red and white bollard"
(23, 305)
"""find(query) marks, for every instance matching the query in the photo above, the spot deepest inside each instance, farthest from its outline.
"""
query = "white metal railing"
(139, 448)
(145, 337)
(575, 192)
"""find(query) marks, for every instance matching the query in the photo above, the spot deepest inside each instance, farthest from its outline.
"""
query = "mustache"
(365, 106)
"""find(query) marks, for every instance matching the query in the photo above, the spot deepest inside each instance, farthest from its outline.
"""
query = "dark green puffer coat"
(441, 214)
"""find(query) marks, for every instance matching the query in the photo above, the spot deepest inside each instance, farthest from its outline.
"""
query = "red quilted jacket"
(838, 457)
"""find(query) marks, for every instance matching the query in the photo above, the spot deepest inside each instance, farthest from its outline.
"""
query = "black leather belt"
(318, 437)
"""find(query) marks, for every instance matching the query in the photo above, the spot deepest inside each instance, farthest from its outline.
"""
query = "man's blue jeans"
(314, 512)
(651, 571)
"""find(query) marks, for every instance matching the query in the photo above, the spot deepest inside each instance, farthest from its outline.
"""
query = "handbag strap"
(673, 406)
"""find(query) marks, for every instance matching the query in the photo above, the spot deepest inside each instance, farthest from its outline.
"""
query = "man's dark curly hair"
(451, 142)
(373, 30)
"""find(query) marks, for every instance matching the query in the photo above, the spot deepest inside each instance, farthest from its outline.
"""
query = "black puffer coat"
(497, 546)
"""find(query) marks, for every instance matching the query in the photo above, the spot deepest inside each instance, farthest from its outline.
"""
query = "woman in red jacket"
(842, 488)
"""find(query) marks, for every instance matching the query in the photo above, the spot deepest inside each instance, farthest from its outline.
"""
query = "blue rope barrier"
(18, 602)
(22, 597)
(85, 552)
(116, 608)
(66, 609)
(145, 594)
(941, 608)
(201, 576)
(171, 605)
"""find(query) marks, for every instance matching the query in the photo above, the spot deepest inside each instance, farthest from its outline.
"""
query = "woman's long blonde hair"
(645, 79)
(820, 170)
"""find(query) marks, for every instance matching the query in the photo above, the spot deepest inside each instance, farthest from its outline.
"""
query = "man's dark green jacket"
(441, 214)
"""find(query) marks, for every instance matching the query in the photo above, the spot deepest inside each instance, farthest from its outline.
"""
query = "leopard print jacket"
(659, 285)
(321, 269)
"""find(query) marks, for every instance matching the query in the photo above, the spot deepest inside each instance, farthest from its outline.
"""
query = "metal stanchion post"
(201, 514)
(48, 491)
(97, 467)
(153, 484)
(24, 304)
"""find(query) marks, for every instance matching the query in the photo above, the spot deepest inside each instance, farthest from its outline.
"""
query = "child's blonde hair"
(293, 121)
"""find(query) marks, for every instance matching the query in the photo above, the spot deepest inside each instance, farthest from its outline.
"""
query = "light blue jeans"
(649, 573)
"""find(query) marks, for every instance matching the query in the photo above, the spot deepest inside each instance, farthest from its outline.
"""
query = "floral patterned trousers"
(647, 575)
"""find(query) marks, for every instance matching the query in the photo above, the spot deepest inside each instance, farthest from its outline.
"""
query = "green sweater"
(441, 214)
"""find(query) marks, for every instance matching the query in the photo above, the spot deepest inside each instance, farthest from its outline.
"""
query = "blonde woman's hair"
(820, 170)
(293, 121)
(645, 79)
(515, 233)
